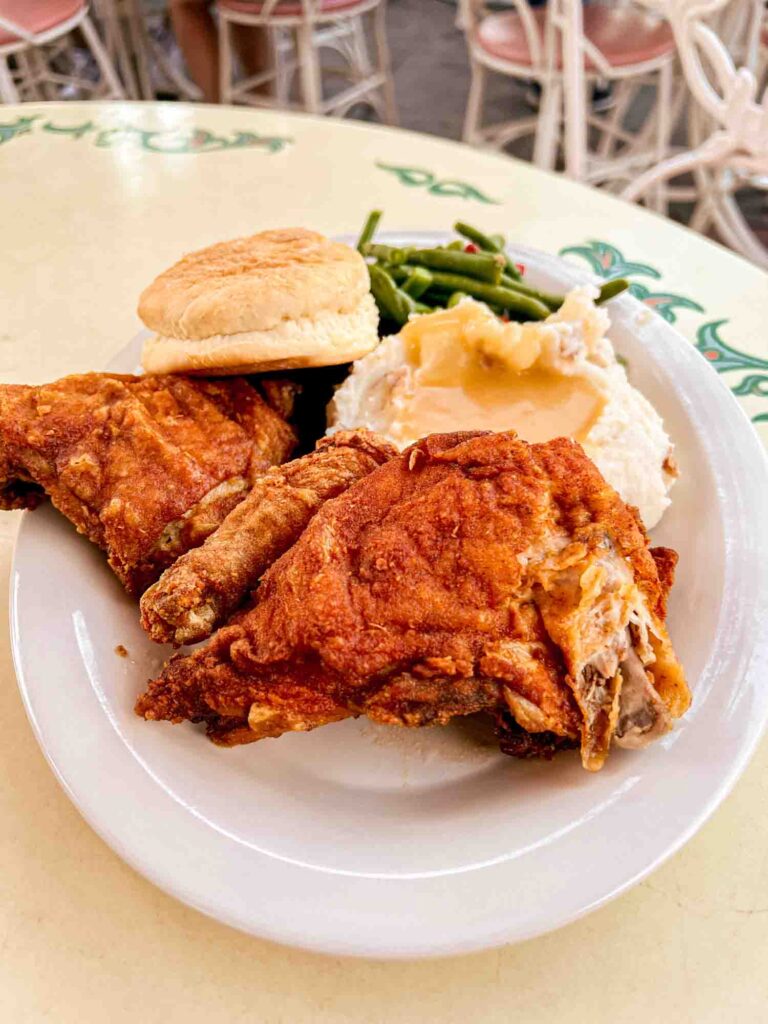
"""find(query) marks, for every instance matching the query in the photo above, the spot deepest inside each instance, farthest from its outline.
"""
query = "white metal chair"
(735, 154)
(139, 57)
(33, 32)
(566, 51)
(310, 25)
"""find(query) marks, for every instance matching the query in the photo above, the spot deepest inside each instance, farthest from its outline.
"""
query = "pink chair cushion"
(290, 8)
(624, 36)
(36, 15)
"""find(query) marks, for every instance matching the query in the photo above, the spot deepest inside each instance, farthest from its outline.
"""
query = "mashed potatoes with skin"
(464, 369)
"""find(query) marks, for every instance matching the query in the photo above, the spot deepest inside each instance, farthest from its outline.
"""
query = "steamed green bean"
(494, 295)
(548, 298)
(611, 289)
(483, 267)
(369, 229)
(393, 303)
(417, 282)
(485, 242)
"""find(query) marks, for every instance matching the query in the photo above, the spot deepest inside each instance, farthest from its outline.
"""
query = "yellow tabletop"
(94, 201)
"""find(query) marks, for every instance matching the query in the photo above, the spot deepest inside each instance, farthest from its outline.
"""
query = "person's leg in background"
(195, 31)
(253, 51)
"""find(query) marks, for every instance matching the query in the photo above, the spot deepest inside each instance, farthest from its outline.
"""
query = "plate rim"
(409, 949)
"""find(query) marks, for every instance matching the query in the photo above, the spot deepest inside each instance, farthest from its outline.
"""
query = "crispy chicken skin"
(474, 572)
(145, 467)
(205, 586)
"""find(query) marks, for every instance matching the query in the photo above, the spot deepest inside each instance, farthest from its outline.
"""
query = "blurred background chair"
(734, 155)
(566, 52)
(141, 47)
(297, 32)
(35, 55)
(633, 50)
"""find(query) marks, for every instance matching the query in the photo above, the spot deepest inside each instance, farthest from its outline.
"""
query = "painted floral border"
(607, 261)
(420, 177)
(166, 141)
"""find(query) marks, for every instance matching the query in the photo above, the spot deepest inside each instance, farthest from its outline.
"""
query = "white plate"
(357, 839)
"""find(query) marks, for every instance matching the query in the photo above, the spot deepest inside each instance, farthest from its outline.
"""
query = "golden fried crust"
(205, 586)
(123, 457)
(415, 595)
(666, 562)
(254, 283)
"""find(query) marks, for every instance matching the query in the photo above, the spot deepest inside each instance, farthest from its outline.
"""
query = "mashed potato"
(463, 368)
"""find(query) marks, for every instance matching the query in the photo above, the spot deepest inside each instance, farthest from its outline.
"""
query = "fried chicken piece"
(474, 572)
(280, 393)
(145, 467)
(206, 585)
(516, 742)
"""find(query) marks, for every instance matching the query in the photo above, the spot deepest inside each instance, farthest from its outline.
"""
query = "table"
(95, 199)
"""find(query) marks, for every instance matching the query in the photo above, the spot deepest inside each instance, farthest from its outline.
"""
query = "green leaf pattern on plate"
(607, 261)
(753, 384)
(666, 304)
(722, 356)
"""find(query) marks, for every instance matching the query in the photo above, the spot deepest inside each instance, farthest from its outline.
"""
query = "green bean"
(385, 253)
(444, 286)
(441, 299)
(482, 266)
(369, 229)
(417, 282)
(548, 298)
(611, 289)
(499, 240)
(493, 295)
(511, 268)
(487, 244)
(457, 245)
(482, 241)
(393, 303)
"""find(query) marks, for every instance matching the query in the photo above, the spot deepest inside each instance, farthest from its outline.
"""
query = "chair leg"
(359, 58)
(309, 69)
(174, 76)
(110, 22)
(138, 34)
(105, 66)
(548, 126)
(40, 70)
(226, 85)
(663, 131)
(281, 59)
(701, 217)
(575, 130)
(385, 64)
(473, 117)
(8, 91)
(715, 149)
(735, 231)
(27, 78)
(625, 93)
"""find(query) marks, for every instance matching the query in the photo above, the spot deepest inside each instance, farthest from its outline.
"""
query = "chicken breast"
(473, 572)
